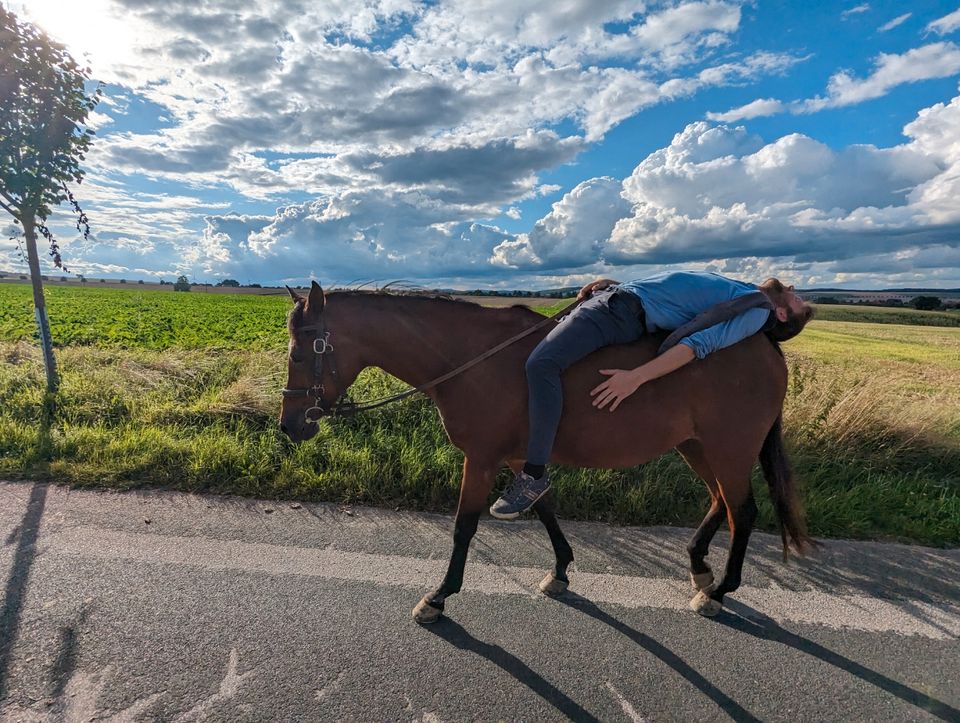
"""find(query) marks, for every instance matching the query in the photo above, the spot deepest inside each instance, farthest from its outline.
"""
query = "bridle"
(322, 349)
(323, 353)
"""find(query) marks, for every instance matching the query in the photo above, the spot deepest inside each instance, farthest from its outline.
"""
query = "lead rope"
(349, 408)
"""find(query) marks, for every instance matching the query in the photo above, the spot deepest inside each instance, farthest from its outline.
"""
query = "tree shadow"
(456, 635)
(16, 588)
(66, 660)
(746, 619)
(664, 654)
(25, 536)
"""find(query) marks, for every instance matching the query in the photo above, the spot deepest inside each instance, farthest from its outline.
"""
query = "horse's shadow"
(456, 635)
(735, 616)
(661, 652)
(746, 619)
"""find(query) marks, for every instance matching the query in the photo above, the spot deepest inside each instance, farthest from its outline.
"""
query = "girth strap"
(721, 312)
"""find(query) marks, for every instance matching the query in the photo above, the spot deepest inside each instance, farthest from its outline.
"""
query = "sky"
(516, 143)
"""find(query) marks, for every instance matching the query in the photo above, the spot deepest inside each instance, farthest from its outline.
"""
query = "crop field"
(182, 390)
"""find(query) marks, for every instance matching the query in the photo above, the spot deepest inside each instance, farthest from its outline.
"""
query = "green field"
(182, 390)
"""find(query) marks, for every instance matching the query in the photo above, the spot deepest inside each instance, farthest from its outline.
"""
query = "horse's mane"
(411, 293)
(295, 317)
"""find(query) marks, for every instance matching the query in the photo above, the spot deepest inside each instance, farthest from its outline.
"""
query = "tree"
(183, 284)
(43, 110)
(926, 303)
(229, 282)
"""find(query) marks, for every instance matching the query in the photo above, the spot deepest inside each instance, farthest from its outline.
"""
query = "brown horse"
(720, 413)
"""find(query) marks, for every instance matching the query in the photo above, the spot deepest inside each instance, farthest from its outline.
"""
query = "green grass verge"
(871, 418)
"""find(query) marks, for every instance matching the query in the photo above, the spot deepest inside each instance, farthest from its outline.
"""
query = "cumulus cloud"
(573, 232)
(716, 189)
(275, 77)
(720, 192)
(386, 235)
(412, 124)
(946, 24)
(755, 109)
(497, 171)
(937, 60)
(715, 192)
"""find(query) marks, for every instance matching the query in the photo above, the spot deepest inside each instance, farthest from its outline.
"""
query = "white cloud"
(899, 20)
(714, 192)
(862, 8)
(573, 232)
(755, 109)
(946, 24)
(719, 192)
(96, 121)
(937, 60)
(722, 193)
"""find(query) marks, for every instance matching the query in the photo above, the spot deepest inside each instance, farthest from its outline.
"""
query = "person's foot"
(520, 496)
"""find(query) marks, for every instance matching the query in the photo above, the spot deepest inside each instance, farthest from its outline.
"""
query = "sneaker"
(520, 496)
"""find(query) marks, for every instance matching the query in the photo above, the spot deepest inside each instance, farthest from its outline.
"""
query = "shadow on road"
(65, 662)
(746, 619)
(457, 636)
(25, 537)
(664, 654)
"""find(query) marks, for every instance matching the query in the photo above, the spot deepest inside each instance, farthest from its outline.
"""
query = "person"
(706, 311)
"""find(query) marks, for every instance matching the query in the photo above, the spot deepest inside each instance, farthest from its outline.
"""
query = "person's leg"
(600, 321)
(569, 342)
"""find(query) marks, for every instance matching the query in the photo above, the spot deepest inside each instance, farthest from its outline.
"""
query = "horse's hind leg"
(701, 575)
(474, 490)
(741, 514)
(555, 582)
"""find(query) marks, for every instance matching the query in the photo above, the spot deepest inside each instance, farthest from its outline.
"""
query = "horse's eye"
(295, 359)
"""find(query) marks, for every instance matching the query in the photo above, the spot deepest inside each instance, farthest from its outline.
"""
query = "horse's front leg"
(556, 582)
(477, 482)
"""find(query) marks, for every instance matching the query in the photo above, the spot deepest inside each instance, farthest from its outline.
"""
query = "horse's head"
(316, 377)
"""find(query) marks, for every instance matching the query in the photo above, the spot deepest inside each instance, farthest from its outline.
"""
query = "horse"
(720, 413)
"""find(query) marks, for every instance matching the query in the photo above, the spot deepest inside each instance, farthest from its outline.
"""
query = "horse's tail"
(783, 492)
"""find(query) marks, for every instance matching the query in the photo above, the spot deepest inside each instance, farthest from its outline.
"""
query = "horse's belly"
(642, 428)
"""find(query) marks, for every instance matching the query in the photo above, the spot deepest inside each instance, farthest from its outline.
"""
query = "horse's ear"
(315, 299)
(293, 294)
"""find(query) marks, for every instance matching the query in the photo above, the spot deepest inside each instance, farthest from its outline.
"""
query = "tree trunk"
(39, 303)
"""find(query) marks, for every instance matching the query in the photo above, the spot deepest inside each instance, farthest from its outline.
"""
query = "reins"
(323, 347)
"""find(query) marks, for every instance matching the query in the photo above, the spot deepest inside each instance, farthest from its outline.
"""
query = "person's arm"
(593, 286)
(726, 333)
(624, 382)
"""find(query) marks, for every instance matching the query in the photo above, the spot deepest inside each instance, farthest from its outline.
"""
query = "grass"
(147, 399)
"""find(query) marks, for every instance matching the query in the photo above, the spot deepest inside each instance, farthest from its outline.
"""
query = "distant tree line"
(922, 303)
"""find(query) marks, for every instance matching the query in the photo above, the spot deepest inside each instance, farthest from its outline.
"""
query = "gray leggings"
(602, 320)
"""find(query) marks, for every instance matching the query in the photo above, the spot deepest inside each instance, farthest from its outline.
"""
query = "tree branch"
(7, 208)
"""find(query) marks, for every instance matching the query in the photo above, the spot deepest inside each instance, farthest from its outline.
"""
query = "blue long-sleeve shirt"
(673, 298)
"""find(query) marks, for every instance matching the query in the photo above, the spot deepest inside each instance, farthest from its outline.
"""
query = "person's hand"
(621, 384)
(588, 290)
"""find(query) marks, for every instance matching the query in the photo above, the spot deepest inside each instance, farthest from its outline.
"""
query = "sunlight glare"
(91, 30)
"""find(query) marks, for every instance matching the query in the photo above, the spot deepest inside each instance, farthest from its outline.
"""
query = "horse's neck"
(411, 339)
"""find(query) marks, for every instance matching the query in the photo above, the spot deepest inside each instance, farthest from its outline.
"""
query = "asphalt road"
(165, 606)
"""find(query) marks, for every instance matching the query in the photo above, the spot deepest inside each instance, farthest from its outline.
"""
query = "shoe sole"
(515, 515)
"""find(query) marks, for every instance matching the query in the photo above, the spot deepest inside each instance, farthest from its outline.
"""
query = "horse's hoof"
(705, 605)
(553, 586)
(702, 581)
(425, 613)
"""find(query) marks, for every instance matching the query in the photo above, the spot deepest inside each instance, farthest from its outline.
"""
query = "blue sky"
(518, 143)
